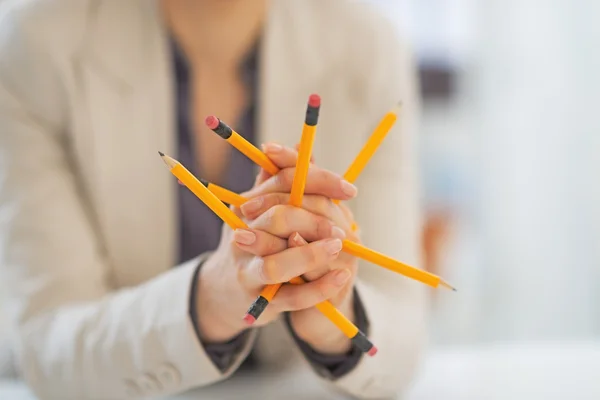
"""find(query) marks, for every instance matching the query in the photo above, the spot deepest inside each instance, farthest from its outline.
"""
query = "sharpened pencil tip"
(160, 153)
(448, 286)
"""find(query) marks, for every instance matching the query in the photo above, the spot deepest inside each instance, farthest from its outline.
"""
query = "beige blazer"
(88, 227)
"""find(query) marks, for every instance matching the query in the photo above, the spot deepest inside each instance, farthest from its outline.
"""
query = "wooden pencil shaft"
(302, 165)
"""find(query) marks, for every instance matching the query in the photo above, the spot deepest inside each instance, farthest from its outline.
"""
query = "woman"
(121, 284)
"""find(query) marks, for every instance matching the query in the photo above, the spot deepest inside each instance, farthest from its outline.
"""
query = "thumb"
(295, 240)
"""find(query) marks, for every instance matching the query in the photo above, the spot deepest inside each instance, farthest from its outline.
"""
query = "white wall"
(539, 90)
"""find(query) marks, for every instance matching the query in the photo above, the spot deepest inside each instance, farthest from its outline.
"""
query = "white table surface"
(551, 371)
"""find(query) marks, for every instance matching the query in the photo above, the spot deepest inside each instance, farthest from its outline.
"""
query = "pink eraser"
(373, 351)
(212, 122)
(249, 319)
(314, 100)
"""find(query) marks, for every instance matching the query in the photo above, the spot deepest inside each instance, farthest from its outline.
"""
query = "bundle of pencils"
(215, 196)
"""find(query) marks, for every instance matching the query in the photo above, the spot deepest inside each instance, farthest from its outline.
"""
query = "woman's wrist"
(216, 322)
(329, 339)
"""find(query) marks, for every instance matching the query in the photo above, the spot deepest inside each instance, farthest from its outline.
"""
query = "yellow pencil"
(186, 178)
(225, 195)
(297, 193)
(370, 147)
(244, 146)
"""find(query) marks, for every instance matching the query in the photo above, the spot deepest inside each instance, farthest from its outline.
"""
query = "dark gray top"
(200, 228)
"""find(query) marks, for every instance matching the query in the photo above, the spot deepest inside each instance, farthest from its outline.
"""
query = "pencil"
(297, 193)
(305, 150)
(371, 146)
(357, 338)
(230, 218)
(201, 191)
(372, 256)
(225, 195)
(244, 146)
(365, 253)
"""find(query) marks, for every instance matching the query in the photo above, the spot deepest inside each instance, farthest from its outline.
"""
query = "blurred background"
(510, 152)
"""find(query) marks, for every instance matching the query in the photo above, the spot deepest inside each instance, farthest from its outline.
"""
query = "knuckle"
(272, 244)
(324, 206)
(285, 178)
(279, 219)
(288, 177)
(269, 217)
(270, 271)
(321, 293)
(265, 269)
(321, 176)
(347, 211)
(312, 255)
(277, 199)
(296, 302)
(322, 227)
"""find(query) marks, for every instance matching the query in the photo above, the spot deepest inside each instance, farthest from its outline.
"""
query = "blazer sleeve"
(388, 213)
(74, 336)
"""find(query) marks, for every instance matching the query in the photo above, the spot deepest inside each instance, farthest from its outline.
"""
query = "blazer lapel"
(127, 89)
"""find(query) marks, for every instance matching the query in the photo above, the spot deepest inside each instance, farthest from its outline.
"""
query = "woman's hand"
(247, 260)
(308, 323)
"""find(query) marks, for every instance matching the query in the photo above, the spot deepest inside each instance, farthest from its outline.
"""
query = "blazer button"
(168, 375)
(148, 385)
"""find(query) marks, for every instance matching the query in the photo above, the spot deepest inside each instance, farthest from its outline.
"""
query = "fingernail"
(349, 189)
(272, 148)
(333, 246)
(338, 233)
(243, 236)
(178, 181)
(341, 277)
(299, 240)
(252, 205)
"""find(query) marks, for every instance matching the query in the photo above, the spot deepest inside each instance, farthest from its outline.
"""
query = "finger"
(319, 181)
(312, 158)
(295, 240)
(258, 243)
(343, 261)
(282, 156)
(261, 177)
(318, 205)
(347, 211)
(283, 220)
(300, 297)
(290, 263)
